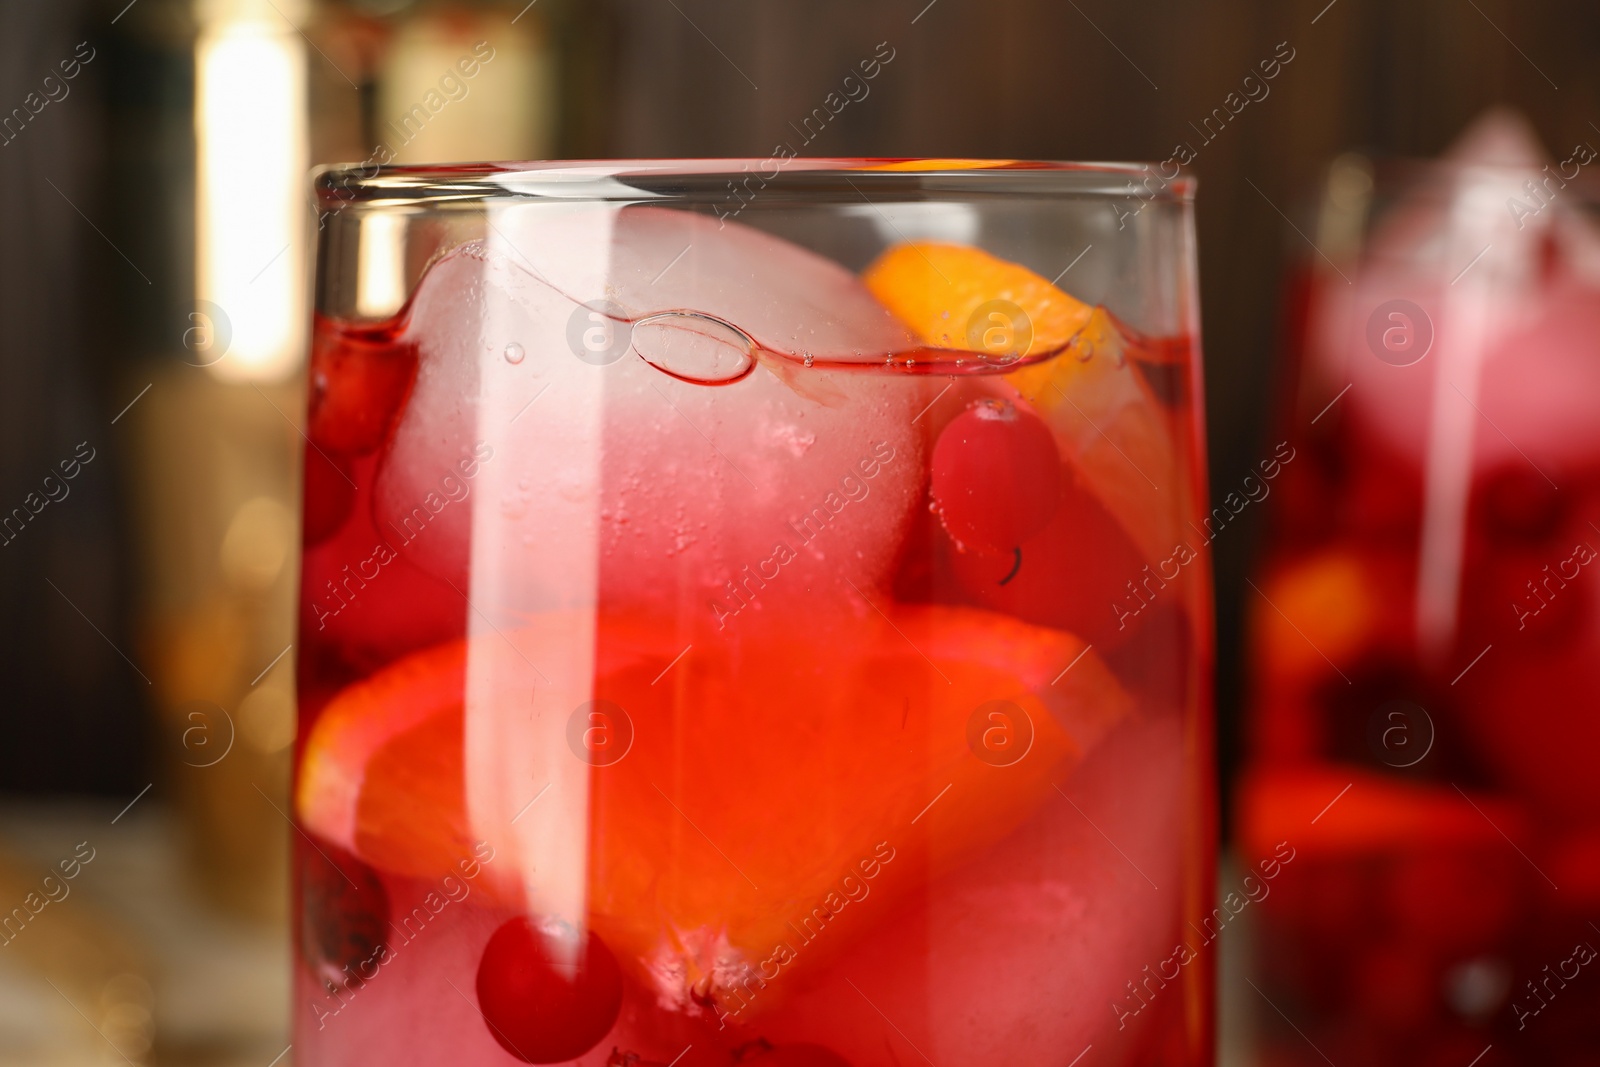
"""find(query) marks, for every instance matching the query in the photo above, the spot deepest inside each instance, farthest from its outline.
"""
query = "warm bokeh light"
(250, 131)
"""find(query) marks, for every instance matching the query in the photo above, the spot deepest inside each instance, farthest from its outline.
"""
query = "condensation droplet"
(514, 353)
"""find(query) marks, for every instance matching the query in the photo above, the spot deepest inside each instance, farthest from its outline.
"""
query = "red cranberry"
(360, 376)
(543, 1008)
(344, 915)
(996, 476)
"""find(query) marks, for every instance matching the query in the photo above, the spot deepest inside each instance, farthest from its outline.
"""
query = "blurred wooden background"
(1083, 79)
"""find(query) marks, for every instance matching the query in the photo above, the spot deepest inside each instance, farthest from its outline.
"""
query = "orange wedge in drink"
(941, 292)
(768, 796)
(1071, 363)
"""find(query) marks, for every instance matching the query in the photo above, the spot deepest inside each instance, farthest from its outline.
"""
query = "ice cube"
(787, 298)
(1023, 956)
(708, 503)
(400, 1008)
(1507, 324)
(423, 481)
(786, 492)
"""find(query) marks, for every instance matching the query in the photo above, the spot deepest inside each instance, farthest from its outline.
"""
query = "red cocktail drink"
(1426, 633)
(753, 640)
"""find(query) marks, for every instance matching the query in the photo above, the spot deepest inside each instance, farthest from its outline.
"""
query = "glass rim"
(716, 179)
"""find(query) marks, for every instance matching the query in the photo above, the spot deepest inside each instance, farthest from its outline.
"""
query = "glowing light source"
(251, 149)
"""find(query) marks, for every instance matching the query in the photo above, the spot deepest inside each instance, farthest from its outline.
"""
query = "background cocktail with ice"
(1432, 546)
(711, 654)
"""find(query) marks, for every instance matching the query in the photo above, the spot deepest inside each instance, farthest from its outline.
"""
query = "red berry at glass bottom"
(547, 995)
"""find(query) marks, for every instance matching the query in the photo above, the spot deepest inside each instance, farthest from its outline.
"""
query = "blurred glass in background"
(1426, 634)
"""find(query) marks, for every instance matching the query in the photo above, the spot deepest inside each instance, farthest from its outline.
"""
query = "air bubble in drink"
(694, 347)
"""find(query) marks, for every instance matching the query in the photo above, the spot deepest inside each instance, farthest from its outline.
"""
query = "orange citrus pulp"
(763, 772)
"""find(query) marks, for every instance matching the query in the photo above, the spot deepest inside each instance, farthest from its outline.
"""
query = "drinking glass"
(750, 616)
(1427, 643)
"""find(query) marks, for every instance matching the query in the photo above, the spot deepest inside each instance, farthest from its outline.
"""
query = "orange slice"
(942, 164)
(1326, 607)
(937, 289)
(1102, 411)
(773, 787)
(381, 774)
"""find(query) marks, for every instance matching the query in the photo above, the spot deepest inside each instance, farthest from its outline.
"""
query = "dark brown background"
(1080, 79)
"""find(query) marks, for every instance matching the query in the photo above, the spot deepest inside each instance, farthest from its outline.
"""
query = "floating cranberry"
(1074, 574)
(359, 377)
(541, 1007)
(344, 915)
(762, 1054)
(996, 476)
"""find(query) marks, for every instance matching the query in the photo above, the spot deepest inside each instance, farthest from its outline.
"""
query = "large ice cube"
(710, 503)
(1025, 955)
(1507, 284)
(420, 1007)
(772, 495)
